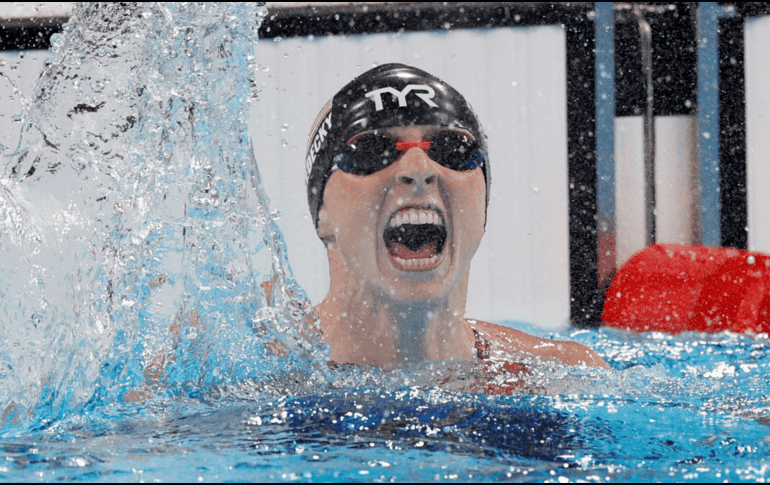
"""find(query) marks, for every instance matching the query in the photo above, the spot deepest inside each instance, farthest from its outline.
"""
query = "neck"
(364, 326)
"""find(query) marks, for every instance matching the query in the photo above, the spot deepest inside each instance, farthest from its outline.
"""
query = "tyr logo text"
(426, 95)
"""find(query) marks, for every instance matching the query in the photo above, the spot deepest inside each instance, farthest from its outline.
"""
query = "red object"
(673, 288)
(406, 145)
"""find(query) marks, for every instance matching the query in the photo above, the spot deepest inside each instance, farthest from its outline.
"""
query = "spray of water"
(138, 255)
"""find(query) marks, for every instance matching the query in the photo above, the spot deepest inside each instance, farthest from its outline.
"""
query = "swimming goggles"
(371, 152)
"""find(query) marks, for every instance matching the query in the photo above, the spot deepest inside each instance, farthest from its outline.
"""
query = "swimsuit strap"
(493, 370)
(481, 345)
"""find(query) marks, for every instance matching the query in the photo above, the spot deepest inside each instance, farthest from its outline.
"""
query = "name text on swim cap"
(318, 140)
(426, 96)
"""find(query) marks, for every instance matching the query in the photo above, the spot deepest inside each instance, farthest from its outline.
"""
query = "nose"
(416, 169)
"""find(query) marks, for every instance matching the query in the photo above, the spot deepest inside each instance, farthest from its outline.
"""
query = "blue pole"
(708, 121)
(605, 129)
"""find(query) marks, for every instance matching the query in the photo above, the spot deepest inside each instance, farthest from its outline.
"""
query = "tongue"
(400, 251)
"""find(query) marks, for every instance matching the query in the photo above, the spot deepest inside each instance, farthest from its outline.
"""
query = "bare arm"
(570, 353)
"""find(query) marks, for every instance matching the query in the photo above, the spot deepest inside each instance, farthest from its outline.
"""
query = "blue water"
(152, 329)
(686, 408)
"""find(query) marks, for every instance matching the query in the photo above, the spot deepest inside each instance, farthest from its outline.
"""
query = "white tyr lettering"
(426, 96)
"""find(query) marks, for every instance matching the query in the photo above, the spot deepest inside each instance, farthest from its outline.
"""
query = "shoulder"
(505, 338)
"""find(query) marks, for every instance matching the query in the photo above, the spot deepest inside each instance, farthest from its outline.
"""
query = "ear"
(326, 228)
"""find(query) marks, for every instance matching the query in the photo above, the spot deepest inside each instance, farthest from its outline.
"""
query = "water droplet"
(707, 135)
(284, 127)
(535, 189)
(751, 260)
(79, 163)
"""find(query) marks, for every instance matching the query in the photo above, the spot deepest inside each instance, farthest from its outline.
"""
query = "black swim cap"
(387, 96)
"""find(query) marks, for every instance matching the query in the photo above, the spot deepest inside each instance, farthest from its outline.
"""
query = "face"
(410, 229)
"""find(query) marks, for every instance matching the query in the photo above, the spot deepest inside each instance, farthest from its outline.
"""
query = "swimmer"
(398, 188)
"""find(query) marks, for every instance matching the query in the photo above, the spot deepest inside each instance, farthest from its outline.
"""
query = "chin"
(420, 295)
(420, 286)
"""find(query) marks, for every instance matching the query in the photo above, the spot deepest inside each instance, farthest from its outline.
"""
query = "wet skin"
(379, 312)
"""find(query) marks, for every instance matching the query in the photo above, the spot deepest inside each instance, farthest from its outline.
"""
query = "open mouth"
(415, 239)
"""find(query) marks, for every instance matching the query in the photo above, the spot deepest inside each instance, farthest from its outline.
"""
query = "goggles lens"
(372, 152)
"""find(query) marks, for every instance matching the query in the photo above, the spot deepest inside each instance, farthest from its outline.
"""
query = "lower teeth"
(416, 263)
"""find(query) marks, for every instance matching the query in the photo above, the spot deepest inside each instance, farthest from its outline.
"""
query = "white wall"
(675, 182)
(757, 65)
(25, 10)
(515, 79)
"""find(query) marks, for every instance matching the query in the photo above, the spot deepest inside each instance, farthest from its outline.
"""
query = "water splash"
(139, 256)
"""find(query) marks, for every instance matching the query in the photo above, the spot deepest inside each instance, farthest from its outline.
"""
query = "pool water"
(152, 329)
(692, 407)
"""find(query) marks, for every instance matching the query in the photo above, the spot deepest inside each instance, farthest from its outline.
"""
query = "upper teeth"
(416, 216)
